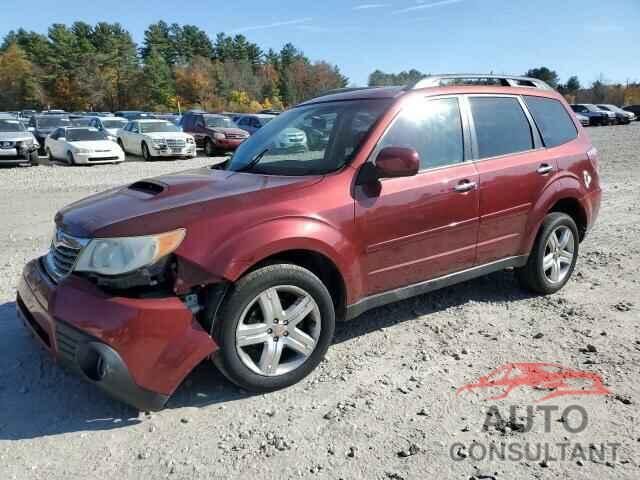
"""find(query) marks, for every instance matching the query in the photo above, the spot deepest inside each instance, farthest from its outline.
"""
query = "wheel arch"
(563, 195)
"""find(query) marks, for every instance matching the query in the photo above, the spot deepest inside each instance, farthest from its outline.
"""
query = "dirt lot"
(383, 404)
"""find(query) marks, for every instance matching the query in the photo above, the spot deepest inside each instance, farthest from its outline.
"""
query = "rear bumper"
(591, 204)
(137, 350)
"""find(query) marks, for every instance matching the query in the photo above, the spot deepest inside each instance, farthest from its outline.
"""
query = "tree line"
(599, 92)
(100, 67)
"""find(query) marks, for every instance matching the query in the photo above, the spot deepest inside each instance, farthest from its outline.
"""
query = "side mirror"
(391, 162)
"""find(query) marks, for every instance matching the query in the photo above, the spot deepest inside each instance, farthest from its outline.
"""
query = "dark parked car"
(213, 132)
(635, 109)
(17, 145)
(622, 117)
(43, 125)
(251, 123)
(596, 115)
(418, 188)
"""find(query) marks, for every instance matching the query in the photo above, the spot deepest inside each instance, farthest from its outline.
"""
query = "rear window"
(552, 119)
(501, 126)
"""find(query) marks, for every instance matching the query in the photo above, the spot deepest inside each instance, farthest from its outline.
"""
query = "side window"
(553, 121)
(243, 121)
(54, 135)
(501, 126)
(433, 129)
(134, 128)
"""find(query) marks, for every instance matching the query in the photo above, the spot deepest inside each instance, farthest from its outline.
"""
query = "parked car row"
(602, 114)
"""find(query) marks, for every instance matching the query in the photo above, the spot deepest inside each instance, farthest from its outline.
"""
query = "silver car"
(17, 144)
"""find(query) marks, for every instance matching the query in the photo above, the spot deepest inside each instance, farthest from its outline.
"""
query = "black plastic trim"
(409, 291)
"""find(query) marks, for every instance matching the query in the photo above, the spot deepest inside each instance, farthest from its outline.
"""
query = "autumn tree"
(18, 86)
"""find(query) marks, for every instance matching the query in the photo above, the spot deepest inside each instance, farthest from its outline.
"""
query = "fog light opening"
(93, 365)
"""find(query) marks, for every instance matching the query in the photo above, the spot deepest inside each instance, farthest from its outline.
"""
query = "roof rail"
(478, 79)
(341, 90)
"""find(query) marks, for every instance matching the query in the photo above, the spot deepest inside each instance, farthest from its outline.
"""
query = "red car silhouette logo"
(541, 376)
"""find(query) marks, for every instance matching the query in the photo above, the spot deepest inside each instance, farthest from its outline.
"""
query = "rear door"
(513, 167)
(421, 227)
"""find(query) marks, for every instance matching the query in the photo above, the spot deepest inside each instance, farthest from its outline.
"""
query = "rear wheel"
(553, 257)
(275, 328)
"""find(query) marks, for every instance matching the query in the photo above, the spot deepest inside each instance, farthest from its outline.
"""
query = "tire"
(47, 152)
(34, 160)
(243, 307)
(209, 148)
(534, 275)
(70, 159)
(122, 146)
(145, 152)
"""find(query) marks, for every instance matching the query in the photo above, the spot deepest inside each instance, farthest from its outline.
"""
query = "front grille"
(62, 256)
(174, 143)
(102, 159)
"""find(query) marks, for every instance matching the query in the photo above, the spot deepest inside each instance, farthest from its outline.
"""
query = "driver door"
(422, 227)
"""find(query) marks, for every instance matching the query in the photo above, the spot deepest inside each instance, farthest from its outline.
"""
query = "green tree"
(545, 74)
(18, 86)
(158, 81)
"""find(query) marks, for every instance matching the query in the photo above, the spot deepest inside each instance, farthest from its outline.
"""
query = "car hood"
(172, 201)
(95, 144)
(15, 136)
(167, 135)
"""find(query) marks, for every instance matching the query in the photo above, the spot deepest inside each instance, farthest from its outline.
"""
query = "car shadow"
(40, 399)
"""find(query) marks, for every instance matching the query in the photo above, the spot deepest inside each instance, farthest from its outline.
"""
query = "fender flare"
(251, 246)
(565, 186)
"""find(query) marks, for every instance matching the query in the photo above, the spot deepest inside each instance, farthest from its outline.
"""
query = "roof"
(150, 120)
(432, 81)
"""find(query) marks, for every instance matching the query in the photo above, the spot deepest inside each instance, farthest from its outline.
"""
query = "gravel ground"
(383, 404)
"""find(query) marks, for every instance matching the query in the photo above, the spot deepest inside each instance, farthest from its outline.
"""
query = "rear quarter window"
(552, 119)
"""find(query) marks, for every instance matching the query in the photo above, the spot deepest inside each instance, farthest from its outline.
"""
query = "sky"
(588, 38)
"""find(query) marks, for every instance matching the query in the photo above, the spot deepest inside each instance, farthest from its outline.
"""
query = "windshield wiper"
(253, 162)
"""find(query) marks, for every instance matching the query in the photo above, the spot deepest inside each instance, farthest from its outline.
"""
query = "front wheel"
(70, 158)
(209, 148)
(274, 328)
(553, 257)
(122, 146)
(145, 152)
(34, 160)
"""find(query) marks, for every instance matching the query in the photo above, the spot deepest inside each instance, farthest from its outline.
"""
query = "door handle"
(465, 186)
(544, 169)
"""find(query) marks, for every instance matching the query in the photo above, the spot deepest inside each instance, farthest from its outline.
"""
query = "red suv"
(415, 188)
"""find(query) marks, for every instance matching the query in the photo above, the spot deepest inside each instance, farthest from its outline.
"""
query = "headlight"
(190, 140)
(219, 136)
(82, 150)
(159, 142)
(117, 256)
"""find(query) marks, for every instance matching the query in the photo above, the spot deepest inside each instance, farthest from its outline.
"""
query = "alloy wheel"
(278, 330)
(559, 253)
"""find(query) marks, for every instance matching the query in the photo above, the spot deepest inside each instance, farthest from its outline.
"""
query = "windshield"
(309, 140)
(153, 127)
(220, 122)
(114, 123)
(84, 135)
(11, 126)
(53, 122)
(80, 122)
(610, 108)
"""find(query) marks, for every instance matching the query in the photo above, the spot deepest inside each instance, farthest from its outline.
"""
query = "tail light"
(592, 154)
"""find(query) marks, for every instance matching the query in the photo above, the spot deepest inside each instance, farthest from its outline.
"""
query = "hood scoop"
(147, 186)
